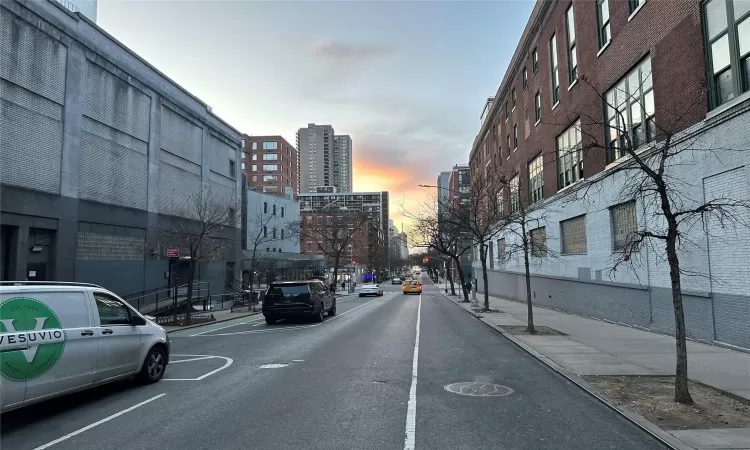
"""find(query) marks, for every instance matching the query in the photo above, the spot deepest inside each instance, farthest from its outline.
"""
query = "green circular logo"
(31, 327)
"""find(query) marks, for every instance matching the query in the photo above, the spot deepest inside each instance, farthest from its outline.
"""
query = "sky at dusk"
(407, 80)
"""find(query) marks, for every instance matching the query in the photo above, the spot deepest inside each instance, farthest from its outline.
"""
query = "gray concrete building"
(325, 159)
(97, 148)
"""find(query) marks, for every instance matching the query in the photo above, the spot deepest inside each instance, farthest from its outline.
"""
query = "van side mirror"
(138, 320)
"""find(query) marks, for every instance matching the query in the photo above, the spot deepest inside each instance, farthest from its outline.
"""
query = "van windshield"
(288, 289)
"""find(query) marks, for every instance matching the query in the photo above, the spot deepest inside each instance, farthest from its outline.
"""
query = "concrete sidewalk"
(597, 347)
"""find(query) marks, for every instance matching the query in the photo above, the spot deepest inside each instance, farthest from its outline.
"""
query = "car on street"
(396, 281)
(371, 289)
(411, 287)
(294, 299)
(57, 338)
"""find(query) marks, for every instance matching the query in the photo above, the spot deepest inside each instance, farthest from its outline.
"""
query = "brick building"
(270, 163)
(586, 78)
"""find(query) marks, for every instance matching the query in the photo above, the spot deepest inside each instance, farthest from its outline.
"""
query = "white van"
(57, 338)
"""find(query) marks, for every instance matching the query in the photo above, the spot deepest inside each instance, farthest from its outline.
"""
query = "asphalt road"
(348, 383)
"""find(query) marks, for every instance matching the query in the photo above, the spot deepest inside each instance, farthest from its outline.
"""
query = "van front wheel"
(153, 366)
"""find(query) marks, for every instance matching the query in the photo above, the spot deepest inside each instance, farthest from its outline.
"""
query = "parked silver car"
(57, 338)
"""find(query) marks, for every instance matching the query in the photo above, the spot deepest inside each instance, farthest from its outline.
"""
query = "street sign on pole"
(173, 253)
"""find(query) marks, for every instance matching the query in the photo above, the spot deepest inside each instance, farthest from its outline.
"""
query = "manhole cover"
(478, 389)
(273, 366)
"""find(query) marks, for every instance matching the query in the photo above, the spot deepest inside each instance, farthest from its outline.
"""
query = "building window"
(270, 167)
(624, 232)
(255, 157)
(602, 8)
(254, 168)
(244, 155)
(630, 111)
(265, 207)
(265, 231)
(270, 157)
(270, 189)
(538, 106)
(231, 216)
(538, 242)
(282, 233)
(513, 98)
(282, 211)
(514, 199)
(553, 65)
(273, 210)
(515, 137)
(572, 58)
(270, 178)
(232, 168)
(273, 234)
(727, 24)
(507, 144)
(243, 166)
(569, 157)
(255, 178)
(573, 235)
(501, 251)
(525, 78)
(244, 143)
(255, 146)
(534, 60)
(507, 115)
(491, 255)
(536, 180)
(309, 246)
(635, 4)
(270, 145)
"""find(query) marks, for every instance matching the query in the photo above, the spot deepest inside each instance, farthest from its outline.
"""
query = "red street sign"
(173, 253)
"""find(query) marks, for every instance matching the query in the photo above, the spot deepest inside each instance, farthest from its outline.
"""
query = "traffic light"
(426, 260)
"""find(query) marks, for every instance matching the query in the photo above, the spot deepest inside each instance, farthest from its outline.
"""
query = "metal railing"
(166, 299)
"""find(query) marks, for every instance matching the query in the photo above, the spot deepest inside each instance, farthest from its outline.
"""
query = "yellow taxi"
(411, 287)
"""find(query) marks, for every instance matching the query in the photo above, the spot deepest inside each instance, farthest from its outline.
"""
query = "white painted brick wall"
(714, 166)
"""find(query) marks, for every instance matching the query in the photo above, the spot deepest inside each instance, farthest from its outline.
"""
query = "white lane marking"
(191, 359)
(273, 330)
(228, 363)
(106, 419)
(347, 312)
(411, 410)
(228, 326)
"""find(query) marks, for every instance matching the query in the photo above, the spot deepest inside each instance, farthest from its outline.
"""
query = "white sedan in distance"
(371, 289)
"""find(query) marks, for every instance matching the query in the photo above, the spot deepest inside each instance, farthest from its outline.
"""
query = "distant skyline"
(406, 80)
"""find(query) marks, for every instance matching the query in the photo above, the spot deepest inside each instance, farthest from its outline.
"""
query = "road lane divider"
(411, 409)
(97, 423)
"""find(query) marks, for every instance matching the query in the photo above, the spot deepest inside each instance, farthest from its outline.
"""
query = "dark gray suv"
(288, 299)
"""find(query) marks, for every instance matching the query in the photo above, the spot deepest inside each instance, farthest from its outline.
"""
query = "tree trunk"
(449, 277)
(461, 279)
(189, 299)
(527, 272)
(483, 258)
(335, 273)
(681, 391)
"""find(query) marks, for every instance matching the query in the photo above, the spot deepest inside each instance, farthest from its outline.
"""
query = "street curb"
(657, 433)
(215, 321)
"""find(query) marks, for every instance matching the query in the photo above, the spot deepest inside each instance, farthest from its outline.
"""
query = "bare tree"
(335, 233)
(197, 226)
(429, 232)
(651, 157)
(476, 215)
(526, 226)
